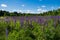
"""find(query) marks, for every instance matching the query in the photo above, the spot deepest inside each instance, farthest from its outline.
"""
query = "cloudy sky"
(32, 6)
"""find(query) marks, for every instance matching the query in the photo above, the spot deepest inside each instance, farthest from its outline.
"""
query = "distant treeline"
(49, 13)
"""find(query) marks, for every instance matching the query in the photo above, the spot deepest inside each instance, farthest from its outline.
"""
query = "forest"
(18, 26)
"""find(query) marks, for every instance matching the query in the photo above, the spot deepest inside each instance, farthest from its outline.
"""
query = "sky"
(29, 6)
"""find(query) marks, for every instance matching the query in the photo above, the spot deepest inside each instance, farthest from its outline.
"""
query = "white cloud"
(41, 10)
(28, 11)
(3, 5)
(20, 10)
(43, 6)
(17, 10)
(58, 7)
(52, 7)
(23, 5)
(3, 9)
(31, 11)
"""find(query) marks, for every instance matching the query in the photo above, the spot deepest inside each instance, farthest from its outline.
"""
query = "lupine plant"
(3, 26)
(49, 31)
(29, 31)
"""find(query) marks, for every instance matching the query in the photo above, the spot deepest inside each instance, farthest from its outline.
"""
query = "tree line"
(49, 13)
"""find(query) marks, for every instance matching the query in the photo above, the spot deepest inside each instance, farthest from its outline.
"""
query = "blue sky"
(32, 6)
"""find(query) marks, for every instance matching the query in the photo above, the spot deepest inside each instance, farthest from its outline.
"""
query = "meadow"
(30, 28)
(44, 26)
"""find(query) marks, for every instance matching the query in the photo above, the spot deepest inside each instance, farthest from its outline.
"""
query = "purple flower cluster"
(38, 19)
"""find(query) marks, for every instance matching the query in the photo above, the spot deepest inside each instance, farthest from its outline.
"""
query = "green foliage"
(49, 31)
(17, 25)
(38, 31)
(11, 25)
(3, 26)
(22, 34)
(57, 34)
(29, 31)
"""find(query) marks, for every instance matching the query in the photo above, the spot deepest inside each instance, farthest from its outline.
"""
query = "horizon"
(29, 6)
